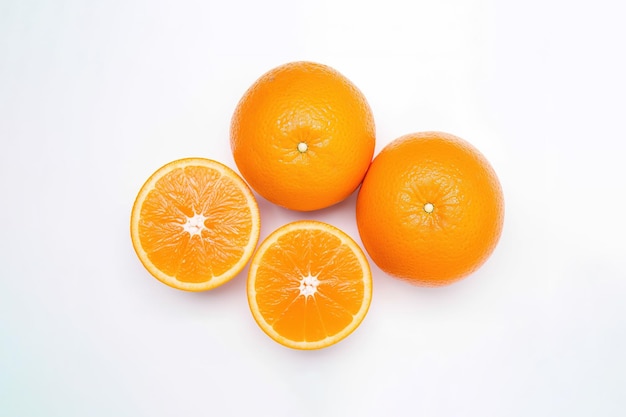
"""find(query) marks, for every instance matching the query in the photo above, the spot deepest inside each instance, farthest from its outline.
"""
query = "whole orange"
(430, 209)
(303, 136)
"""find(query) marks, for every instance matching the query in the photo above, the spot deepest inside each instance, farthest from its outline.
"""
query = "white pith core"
(302, 147)
(195, 225)
(308, 285)
(429, 207)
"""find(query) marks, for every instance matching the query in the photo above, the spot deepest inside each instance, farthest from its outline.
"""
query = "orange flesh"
(214, 245)
(337, 299)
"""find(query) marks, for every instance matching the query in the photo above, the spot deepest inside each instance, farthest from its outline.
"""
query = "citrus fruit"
(303, 136)
(309, 285)
(194, 224)
(430, 209)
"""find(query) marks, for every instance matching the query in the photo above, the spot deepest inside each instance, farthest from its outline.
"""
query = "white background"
(95, 96)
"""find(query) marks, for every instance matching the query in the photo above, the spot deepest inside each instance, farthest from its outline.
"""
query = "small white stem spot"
(429, 207)
(302, 147)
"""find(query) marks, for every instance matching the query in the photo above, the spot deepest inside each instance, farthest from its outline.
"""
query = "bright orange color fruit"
(430, 209)
(309, 285)
(303, 136)
(194, 224)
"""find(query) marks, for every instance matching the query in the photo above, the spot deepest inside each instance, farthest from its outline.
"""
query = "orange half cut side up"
(194, 224)
(309, 285)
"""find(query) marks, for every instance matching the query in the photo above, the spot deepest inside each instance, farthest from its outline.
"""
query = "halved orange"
(195, 224)
(309, 285)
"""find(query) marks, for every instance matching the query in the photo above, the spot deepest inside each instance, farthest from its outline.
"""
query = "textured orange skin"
(460, 233)
(303, 102)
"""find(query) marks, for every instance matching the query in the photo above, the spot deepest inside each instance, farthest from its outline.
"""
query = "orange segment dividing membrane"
(195, 224)
(309, 285)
